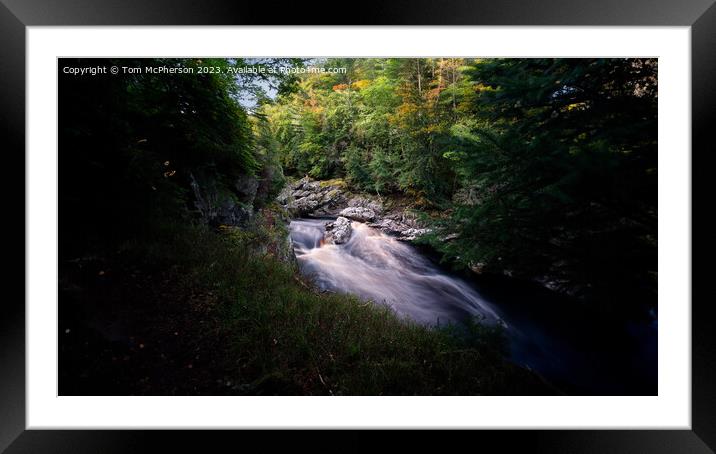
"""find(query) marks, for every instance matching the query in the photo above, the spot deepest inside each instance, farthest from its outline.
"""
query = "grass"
(251, 325)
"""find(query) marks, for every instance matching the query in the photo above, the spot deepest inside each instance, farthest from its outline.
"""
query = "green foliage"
(130, 144)
(558, 154)
(382, 125)
(356, 164)
(271, 178)
(563, 154)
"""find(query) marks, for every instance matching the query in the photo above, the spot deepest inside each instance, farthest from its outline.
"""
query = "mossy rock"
(337, 182)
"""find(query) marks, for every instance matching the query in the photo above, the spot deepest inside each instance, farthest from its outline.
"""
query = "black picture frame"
(16, 15)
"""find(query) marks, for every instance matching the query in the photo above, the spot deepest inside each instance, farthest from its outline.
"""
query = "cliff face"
(241, 209)
(220, 204)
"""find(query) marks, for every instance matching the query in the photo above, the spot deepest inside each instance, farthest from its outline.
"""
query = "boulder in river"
(358, 214)
(339, 231)
(304, 205)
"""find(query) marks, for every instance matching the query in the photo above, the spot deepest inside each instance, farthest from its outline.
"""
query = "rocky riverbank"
(312, 198)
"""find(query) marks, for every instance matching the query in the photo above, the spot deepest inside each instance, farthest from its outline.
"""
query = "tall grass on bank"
(282, 336)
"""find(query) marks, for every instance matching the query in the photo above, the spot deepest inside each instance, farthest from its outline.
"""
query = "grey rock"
(358, 213)
(409, 219)
(339, 231)
(301, 183)
(217, 206)
(230, 212)
(307, 197)
(401, 230)
(312, 186)
(246, 187)
(333, 196)
(285, 196)
(389, 226)
(364, 202)
(303, 206)
(477, 267)
(411, 234)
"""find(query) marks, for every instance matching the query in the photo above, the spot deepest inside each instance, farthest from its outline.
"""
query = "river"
(577, 349)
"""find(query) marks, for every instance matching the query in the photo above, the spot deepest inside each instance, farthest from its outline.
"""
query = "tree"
(562, 153)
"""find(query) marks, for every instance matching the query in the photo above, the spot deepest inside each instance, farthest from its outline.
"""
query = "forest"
(181, 196)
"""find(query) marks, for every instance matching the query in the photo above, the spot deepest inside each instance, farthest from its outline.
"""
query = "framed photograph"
(454, 216)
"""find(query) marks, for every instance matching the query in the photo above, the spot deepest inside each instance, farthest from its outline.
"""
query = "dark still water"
(577, 349)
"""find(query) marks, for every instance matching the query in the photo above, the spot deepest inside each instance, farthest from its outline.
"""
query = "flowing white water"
(583, 351)
(380, 268)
